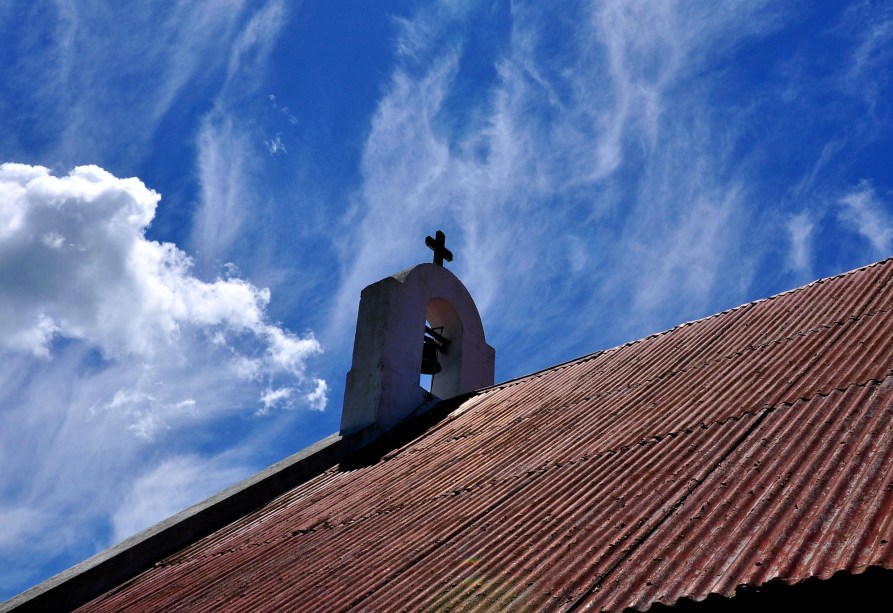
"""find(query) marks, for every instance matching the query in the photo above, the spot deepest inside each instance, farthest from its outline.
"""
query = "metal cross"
(438, 246)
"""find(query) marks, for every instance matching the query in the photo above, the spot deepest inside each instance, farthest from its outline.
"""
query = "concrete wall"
(383, 382)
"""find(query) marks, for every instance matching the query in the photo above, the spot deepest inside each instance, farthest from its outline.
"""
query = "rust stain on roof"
(751, 446)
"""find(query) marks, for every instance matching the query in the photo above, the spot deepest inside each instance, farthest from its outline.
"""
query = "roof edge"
(598, 352)
(119, 563)
(109, 568)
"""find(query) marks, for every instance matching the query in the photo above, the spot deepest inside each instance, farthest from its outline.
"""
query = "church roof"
(750, 447)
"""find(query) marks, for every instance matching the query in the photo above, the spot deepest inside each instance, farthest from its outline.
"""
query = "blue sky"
(194, 194)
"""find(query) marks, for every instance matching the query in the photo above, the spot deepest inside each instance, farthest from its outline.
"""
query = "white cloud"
(96, 68)
(275, 145)
(148, 415)
(229, 163)
(319, 396)
(224, 165)
(112, 350)
(284, 397)
(599, 128)
(865, 213)
(19, 525)
(273, 398)
(867, 76)
(681, 264)
(101, 281)
(800, 228)
(249, 52)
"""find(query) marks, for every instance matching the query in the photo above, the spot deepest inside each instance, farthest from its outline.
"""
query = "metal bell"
(430, 365)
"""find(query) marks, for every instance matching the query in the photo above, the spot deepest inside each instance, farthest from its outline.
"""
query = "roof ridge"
(746, 349)
(595, 354)
(693, 366)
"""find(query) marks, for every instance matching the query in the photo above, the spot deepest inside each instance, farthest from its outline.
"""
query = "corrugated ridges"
(576, 519)
(808, 493)
(601, 502)
(569, 487)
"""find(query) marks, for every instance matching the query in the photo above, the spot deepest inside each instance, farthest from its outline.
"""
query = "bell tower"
(419, 320)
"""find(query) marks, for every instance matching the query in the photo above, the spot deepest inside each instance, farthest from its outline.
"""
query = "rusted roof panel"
(806, 494)
(753, 445)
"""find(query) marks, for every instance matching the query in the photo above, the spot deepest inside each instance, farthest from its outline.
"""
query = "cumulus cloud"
(113, 349)
(75, 264)
(76, 267)
(318, 397)
(275, 397)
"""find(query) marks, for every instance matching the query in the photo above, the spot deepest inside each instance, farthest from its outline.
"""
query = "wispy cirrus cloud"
(230, 145)
(800, 229)
(864, 212)
(867, 75)
(88, 100)
(171, 486)
(593, 121)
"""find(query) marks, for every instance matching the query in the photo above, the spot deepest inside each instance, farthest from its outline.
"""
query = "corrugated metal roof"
(753, 445)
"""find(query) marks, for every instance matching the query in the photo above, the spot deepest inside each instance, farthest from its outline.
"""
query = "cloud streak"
(592, 122)
(154, 69)
(863, 211)
(173, 485)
